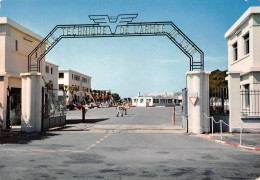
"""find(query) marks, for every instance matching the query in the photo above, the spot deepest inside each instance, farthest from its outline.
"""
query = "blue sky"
(133, 64)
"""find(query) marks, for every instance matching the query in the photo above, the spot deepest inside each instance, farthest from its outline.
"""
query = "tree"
(116, 97)
(217, 79)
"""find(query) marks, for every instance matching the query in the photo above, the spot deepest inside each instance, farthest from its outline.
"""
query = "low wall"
(52, 122)
(216, 126)
(185, 122)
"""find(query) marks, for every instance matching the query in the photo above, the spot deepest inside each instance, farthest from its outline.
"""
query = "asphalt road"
(141, 145)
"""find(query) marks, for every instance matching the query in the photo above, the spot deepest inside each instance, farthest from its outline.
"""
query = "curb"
(231, 144)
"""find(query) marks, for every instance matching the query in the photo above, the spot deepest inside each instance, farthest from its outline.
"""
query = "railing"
(53, 108)
(250, 103)
(220, 122)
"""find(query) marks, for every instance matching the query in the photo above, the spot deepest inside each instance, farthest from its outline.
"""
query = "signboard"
(117, 26)
(193, 98)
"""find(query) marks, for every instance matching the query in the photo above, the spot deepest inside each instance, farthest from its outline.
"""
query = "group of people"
(122, 108)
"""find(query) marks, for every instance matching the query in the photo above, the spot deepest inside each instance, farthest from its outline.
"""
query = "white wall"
(198, 86)
(13, 62)
(142, 101)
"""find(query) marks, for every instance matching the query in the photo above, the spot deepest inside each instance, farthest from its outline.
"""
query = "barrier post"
(220, 129)
(83, 114)
(241, 129)
(212, 126)
(11, 126)
(174, 115)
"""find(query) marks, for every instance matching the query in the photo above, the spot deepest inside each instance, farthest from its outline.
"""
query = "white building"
(72, 78)
(157, 99)
(244, 70)
(16, 42)
(51, 74)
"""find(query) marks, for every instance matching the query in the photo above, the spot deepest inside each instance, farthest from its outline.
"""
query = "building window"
(235, 51)
(162, 101)
(85, 80)
(247, 95)
(72, 76)
(141, 100)
(36, 55)
(155, 100)
(47, 70)
(51, 70)
(16, 45)
(61, 86)
(61, 75)
(76, 77)
(246, 44)
(169, 100)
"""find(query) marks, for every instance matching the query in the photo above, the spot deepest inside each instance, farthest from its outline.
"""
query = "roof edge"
(242, 19)
(67, 70)
(6, 20)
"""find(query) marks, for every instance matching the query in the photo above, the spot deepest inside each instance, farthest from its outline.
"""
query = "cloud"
(213, 59)
(166, 61)
(216, 59)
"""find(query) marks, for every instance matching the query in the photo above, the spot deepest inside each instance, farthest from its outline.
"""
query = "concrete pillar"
(198, 86)
(234, 100)
(31, 102)
(3, 100)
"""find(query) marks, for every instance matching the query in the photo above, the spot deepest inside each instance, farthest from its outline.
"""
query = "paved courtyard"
(141, 145)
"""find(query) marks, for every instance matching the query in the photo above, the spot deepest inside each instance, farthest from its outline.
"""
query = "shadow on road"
(90, 121)
(25, 138)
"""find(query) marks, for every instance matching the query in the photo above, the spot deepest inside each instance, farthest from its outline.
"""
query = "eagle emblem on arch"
(113, 21)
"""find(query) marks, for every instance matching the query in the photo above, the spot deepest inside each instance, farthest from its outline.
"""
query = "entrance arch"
(119, 26)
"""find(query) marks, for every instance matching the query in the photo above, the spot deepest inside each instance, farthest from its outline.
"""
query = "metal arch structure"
(119, 26)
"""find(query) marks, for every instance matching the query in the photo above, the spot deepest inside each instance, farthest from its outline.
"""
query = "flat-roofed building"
(51, 75)
(244, 70)
(157, 99)
(16, 42)
(70, 78)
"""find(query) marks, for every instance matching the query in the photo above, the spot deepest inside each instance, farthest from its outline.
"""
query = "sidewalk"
(248, 140)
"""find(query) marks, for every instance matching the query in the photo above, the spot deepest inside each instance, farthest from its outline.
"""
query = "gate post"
(3, 100)
(31, 102)
(198, 88)
(234, 100)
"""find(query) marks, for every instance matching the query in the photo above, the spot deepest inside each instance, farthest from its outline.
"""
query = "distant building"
(51, 75)
(70, 78)
(157, 99)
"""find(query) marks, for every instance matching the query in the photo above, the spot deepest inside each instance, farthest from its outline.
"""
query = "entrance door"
(8, 109)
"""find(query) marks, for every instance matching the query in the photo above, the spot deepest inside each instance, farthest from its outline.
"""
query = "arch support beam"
(129, 29)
